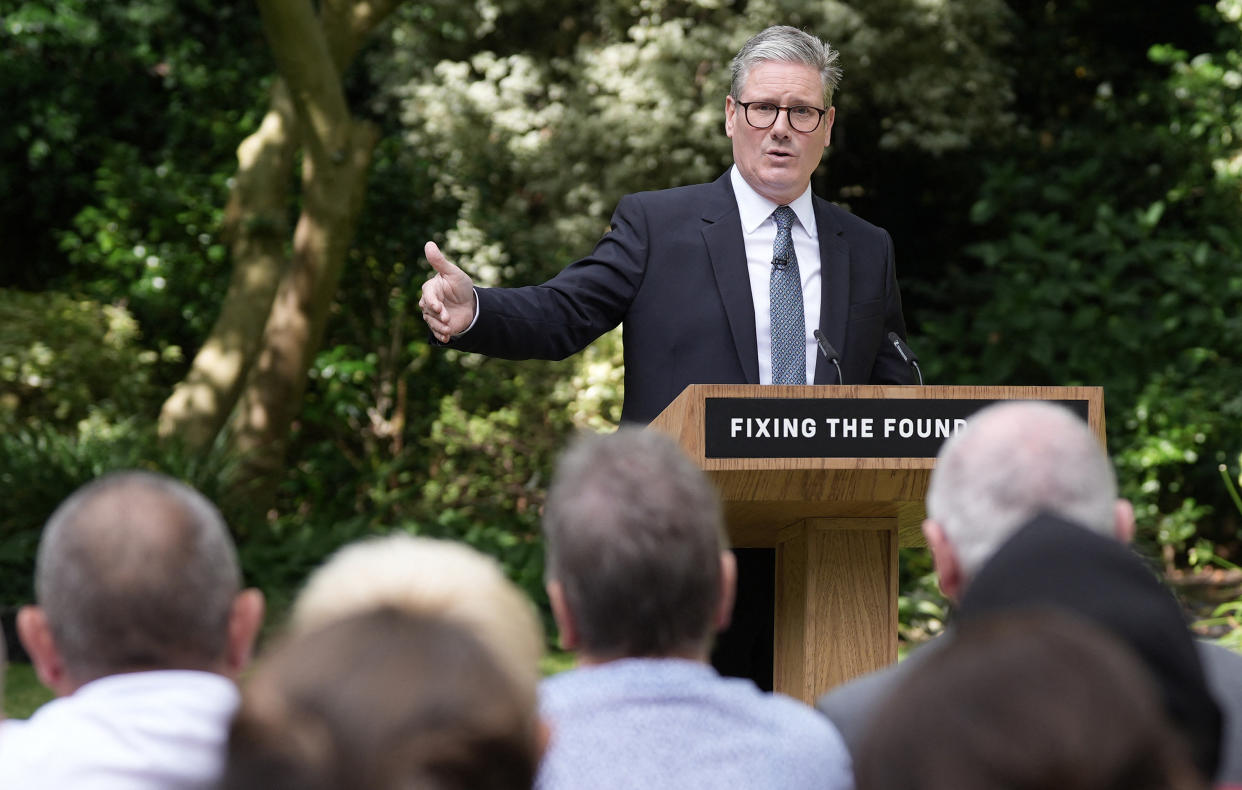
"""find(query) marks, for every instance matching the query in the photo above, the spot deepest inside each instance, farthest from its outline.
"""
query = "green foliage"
(126, 118)
(23, 692)
(1102, 247)
(42, 464)
(922, 610)
(1107, 254)
(63, 359)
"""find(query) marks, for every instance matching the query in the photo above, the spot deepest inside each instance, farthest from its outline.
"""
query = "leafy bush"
(1108, 255)
(62, 359)
(42, 464)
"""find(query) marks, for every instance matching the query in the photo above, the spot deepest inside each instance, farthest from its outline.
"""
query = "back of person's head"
(137, 571)
(634, 538)
(1025, 701)
(786, 44)
(433, 577)
(383, 700)
(1051, 563)
(1012, 461)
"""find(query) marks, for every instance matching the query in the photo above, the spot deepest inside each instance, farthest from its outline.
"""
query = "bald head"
(1013, 461)
(136, 571)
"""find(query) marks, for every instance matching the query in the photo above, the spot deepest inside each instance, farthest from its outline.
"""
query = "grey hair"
(137, 571)
(1013, 461)
(785, 44)
(634, 534)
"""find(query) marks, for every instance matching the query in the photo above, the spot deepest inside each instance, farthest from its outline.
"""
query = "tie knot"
(784, 216)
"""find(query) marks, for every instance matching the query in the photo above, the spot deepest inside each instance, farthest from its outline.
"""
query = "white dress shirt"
(759, 232)
(160, 730)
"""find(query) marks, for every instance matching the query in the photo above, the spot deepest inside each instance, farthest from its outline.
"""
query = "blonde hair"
(427, 576)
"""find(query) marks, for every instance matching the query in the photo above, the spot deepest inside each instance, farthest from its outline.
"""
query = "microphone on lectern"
(828, 351)
(906, 353)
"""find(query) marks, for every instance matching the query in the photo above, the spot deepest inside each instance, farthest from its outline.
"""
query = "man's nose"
(780, 128)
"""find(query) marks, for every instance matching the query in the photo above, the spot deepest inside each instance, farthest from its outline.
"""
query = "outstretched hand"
(448, 297)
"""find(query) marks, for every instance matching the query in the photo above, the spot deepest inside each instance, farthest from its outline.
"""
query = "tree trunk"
(336, 158)
(273, 393)
(254, 362)
(256, 227)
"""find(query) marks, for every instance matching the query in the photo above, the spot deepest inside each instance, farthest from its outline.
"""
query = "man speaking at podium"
(718, 283)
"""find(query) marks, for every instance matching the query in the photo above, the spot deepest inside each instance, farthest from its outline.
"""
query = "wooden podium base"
(836, 602)
(835, 518)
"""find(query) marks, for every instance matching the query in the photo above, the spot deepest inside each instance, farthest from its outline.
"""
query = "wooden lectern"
(833, 478)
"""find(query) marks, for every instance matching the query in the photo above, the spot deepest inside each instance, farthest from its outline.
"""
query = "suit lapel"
(722, 233)
(834, 278)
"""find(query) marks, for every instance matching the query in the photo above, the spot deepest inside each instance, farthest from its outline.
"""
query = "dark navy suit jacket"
(673, 270)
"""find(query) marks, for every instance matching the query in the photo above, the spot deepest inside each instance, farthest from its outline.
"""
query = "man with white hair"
(1013, 463)
(141, 629)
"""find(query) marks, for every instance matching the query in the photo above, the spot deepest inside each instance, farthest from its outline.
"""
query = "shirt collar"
(755, 209)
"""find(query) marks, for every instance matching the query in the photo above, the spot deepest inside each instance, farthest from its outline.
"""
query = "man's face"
(778, 161)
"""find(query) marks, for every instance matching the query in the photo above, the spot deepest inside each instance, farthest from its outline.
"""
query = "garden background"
(212, 216)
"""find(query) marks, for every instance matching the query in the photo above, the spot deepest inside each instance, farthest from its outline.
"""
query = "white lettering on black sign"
(838, 427)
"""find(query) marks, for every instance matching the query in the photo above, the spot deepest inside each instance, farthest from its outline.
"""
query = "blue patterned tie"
(788, 324)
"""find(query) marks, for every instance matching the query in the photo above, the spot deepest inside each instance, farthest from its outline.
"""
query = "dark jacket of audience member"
(1053, 563)
(1035, 700)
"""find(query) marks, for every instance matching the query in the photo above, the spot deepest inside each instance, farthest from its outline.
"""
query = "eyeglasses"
(762, 114)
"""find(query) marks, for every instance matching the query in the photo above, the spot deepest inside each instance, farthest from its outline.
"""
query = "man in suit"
(718, 283)
(690, 271)
(1023, 470)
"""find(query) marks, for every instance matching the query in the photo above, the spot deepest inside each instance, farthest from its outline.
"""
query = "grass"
(555, 660)
(22, 691)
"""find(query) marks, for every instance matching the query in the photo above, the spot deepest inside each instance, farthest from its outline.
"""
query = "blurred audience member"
(141, 628)
(1053, 564)
(383, 700)
(1025, 701)
(434, 577)
(640, 578)
(1012, 462)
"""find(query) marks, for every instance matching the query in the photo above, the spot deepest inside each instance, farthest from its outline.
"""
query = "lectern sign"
(838, 427)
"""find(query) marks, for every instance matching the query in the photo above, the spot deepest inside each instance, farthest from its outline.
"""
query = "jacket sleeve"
(565, 314)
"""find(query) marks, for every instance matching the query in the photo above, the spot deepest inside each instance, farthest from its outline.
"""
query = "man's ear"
(543, 736)
(36, 636)
(245, 620)
(829, 117)
(1123, 520)
(944, 558)
(730, 115)
(728, 590)
(562, 615)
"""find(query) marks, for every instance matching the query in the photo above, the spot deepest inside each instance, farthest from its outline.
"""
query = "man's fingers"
(430, 304)
(445, 295)
(441, 264)
(436, 322)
